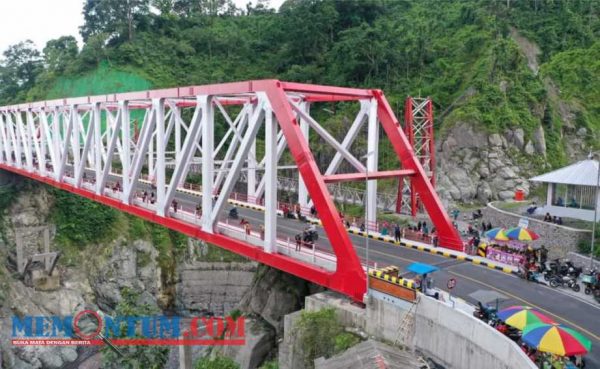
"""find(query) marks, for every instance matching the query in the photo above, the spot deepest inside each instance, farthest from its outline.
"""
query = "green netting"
(104, 80)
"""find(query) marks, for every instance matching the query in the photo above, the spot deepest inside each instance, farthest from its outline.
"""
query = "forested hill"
(492, 64)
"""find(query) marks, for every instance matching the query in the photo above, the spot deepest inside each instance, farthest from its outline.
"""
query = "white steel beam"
(350, 137)
(372, 162)
(159, 113)
(328, 138)
(270, 239)
(182, 160)
(98, 146)
(238, 162)
(208, 137)
(305, 129)
(243, 119)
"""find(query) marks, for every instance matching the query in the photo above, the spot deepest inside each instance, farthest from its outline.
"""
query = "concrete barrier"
(449, 336)
(457, 340)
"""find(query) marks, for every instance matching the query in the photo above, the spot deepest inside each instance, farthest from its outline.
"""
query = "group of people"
(553, 219)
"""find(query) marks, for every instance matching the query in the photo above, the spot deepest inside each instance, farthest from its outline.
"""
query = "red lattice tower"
(418, 127)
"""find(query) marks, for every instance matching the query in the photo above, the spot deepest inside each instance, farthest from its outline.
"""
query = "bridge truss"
(82, 144)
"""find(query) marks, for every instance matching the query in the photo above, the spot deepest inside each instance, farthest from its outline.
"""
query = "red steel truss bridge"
(113, 148)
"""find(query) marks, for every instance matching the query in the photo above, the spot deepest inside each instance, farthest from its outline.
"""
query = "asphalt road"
(474, 283)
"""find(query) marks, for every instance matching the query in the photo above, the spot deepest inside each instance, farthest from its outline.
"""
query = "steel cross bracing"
(86, 145)
(418, 127)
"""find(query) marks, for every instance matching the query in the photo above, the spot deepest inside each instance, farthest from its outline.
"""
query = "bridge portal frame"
(35, 134)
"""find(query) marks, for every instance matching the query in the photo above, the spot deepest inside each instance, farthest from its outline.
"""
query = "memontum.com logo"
(88, 328)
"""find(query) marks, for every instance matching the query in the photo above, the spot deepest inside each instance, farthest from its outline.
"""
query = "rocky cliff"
(204, 281)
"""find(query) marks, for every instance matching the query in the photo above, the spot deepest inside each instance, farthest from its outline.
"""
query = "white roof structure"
(583, 173)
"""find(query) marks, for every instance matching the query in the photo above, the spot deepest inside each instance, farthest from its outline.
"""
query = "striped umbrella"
(522, 316)
(521, 234)
(497, 234)
(556, 339)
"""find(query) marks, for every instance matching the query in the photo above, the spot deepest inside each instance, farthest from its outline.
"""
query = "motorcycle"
(485, 313)
(550, 268)
(310, 236)
(590, 281)
(565, 281)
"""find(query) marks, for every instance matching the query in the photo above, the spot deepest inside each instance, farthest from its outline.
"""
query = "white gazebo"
(572, 190)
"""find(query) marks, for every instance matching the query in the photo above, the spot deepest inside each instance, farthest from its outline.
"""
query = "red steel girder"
(347, 177)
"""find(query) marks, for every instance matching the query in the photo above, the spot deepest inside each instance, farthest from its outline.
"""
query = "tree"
(118, 18)
(190, 8)
(19, 69)
(59, 52)
(134, 357)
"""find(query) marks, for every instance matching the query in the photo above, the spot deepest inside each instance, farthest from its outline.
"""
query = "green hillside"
(467, 55)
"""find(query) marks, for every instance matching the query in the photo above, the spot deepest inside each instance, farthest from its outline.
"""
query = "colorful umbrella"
(521, 234)
(556, 339)
(497, 234)
(522, 316)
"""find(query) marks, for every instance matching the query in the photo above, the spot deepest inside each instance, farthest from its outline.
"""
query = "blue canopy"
(421, 268)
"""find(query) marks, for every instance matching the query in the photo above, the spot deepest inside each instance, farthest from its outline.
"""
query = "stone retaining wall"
(559, 240)
(583, 260)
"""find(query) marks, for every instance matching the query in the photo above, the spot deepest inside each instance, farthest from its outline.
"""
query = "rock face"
(260, 339)
(476, 166)
(274, 294)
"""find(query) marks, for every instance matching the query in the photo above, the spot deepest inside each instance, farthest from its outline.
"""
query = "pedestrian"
(543, 254)
(152, 197)
(419, 226)
(174, 203)
(298, 241)
(262, 232)
(145, 196)
(397, 232)
(248, 228)
(199, 210)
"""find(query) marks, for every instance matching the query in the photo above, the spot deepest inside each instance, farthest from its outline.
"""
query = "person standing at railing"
(248, 228)
(397, 233)
(144, 196)
(298, 242)
(174, 203)
(262, 232)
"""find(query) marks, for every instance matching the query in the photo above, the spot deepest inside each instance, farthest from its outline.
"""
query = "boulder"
(529, 149)
(539, 140)
(495, 140)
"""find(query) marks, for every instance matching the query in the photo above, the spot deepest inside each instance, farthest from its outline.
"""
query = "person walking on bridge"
(397, 233)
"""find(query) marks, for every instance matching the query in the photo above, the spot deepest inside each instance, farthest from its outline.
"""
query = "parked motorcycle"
(565, 281)
(590, 281)
(485, 313)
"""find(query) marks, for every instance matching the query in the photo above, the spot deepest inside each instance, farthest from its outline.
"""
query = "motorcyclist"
(233, 213)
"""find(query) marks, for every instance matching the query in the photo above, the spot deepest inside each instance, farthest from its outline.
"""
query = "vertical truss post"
(372, 163)
(126, 149)
(305, 129)
(251, 172)
(270, 241)
(75, 139)
(98, 146)
(208, 137)
(159, 114)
